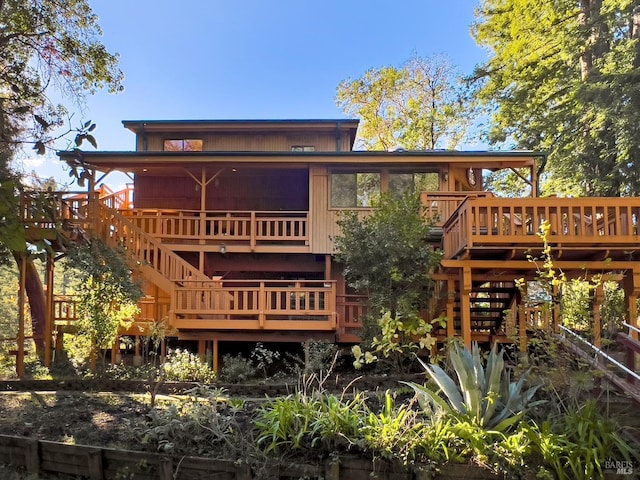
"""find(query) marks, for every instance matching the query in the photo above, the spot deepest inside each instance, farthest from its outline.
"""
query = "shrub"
(237, 369)
(183, 366)
(483, 395)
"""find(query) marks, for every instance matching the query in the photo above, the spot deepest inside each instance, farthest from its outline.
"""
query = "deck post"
(598, 299)
(521, 315)
(631, 284)
(202, 350)
(465, 305)
(214, 355)
(451, 303)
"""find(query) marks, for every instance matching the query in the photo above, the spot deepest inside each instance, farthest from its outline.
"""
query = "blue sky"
(258, 59)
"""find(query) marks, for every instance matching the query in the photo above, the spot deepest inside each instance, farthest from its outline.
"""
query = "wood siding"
(244, 189)
(243, 142)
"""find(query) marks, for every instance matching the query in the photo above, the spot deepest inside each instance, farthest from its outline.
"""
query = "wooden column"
(214, 354)
(522, 319)
(451, 304)
(598, 299)
(49, 321)
(202, 350)
(631, 284)
(20, 371)
(115, 351)
(465, 305)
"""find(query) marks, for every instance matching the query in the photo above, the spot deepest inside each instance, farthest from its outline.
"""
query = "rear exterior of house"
(229, 227)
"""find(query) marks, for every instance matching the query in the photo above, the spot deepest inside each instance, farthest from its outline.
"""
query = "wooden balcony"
(580, 228)
(255, 305)
(45, 214)
(237, 231)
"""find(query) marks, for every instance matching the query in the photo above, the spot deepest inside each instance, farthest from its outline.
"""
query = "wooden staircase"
(489, 304)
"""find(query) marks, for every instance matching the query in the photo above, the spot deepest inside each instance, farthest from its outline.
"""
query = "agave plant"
(483, 394)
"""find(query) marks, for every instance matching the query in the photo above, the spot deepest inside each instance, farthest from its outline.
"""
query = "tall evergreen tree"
(563, 76)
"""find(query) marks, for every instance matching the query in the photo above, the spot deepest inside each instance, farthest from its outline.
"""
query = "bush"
(183, 366)
(237, 369)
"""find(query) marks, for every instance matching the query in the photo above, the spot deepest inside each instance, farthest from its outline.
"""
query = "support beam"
(451, 303)
(214, 355)
(465, 305)
(598, 300)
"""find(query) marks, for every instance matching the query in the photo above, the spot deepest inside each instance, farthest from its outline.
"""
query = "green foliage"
(319, 421)
(108, 295)
(202, 424)
(399, 337)
(575, 445)
(263, 358)
(184, 366)
(483, 395)
(237, 369)
(50, 46)
(387, 256)
(396, 432)
(421, 105)
(563, 78)
(320, 356)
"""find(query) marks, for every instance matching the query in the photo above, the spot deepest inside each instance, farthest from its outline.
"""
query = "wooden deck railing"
(247, 227)
(573, 221)
(46, 210)
(240, 304)
(65, 308)
(143, 248)
(439, 206)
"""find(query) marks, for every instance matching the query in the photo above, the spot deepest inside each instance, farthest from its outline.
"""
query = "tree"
(387, 256)
(564, 77)
(47, 48)
(421, 105)
(107, 293)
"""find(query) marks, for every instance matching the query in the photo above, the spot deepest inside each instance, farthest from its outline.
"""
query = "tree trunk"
(37, 301)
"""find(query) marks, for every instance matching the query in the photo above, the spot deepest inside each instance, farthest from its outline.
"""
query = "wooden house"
(229, 225)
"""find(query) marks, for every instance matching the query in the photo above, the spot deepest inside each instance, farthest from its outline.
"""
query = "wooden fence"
(96, 463)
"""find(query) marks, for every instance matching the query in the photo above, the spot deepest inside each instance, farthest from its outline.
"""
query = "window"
(303, 148)
(349, 190)
(401, 182)
(183, 145)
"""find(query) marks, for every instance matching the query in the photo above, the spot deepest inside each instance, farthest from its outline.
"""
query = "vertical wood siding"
(243, 142)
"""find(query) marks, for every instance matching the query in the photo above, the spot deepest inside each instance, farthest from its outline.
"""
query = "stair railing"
(115, 229)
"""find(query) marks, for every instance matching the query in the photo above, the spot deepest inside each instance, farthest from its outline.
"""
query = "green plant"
(483, 395)
(201, 424)
(263, 358)
(387, 256)
(399, 338)
(576, 445)
(319, 355)
(237, 369)
(310, 421)
(184, 366)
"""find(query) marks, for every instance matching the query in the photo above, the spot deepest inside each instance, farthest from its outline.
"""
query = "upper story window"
(401, 182)
(183, 145)
(303, 148)
(357, 189)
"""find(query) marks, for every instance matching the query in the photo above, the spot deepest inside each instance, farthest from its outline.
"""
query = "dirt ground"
(101, 419)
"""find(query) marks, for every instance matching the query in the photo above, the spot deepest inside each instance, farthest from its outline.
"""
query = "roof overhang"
(132, 161)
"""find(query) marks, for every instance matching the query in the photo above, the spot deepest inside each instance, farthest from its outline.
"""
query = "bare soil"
(101, 419)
